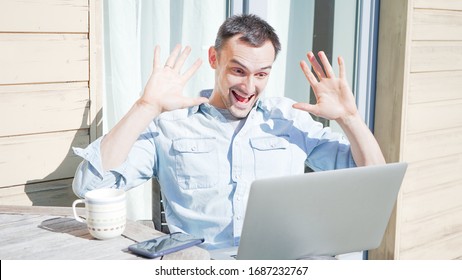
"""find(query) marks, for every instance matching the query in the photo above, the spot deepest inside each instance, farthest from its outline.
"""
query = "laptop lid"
(321, 213)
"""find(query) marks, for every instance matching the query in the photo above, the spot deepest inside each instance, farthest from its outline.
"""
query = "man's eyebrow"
(245, 67)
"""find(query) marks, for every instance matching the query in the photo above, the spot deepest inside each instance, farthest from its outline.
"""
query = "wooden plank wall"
(428, 89)
(390, 106)
(431, 213)
(49, 96)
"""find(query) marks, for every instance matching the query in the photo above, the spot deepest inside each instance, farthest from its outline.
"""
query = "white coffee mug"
(106, 213)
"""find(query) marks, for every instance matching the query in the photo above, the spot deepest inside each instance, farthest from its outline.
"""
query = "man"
(206, 151)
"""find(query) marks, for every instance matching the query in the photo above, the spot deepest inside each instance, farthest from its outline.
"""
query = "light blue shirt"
(205, 169)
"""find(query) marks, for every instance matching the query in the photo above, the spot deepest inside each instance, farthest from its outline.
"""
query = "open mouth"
(241, 98)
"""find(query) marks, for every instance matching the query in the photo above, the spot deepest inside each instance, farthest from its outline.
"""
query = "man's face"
(241, 75)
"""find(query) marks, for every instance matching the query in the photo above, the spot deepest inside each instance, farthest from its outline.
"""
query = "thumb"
(188, 102)
(306, 107)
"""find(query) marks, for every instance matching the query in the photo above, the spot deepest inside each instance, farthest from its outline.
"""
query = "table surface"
(39, 232)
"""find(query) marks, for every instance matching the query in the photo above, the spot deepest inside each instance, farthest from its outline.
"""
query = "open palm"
(334, 98)
(164, 89)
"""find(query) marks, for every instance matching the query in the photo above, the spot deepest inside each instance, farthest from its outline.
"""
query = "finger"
(341, 68)
(189, 102)
(306, 107)
(173, 56)
(316, 66)
(308, 74)
(156, 60)
(198, 101)
(182, 58)
(190, 72)
(326, 64)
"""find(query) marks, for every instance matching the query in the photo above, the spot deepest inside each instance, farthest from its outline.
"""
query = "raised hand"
(334, 98)
(164, 89)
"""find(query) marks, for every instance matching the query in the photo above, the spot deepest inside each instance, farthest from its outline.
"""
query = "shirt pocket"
(273, 156)
(196, 162)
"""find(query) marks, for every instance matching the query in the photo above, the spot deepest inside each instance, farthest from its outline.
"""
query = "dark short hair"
(253, 30)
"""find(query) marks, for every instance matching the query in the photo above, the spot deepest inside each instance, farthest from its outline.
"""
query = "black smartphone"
(165, 244)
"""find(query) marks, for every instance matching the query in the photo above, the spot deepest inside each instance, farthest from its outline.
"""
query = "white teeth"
(241, 98)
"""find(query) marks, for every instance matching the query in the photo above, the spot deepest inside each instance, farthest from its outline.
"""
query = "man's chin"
(239, 112)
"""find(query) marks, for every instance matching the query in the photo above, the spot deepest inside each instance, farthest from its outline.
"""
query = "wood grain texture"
(432, 145)
(50, 93)
(430, 56)
(431, 202)
(52, 233)
(40, 157)
(442, 249)
(435, 86)
(96, 68)
(426, 174)
(449, 225)
(419, 90)
(433, 116)
(455, 5)
(431, 25)
(391, 102)
(44, 16)
(44, 107)
(50, 193)
(43, 58)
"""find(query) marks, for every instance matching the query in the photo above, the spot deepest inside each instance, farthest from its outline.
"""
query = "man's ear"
(213, 57)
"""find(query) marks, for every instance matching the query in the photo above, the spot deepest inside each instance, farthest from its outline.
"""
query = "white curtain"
(132, 28)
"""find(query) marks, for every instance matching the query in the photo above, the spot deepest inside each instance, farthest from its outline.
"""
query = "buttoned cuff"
(92, 154)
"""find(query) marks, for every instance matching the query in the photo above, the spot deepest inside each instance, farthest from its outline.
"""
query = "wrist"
(349, 119)
(151, 109)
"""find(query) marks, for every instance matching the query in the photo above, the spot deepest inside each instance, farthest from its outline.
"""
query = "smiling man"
(206, 151)
(242, 61)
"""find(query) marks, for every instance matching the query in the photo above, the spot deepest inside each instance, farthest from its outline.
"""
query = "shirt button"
(238, 218)
(193, 148)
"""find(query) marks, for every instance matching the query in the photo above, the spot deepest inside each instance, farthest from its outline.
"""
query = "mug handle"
(78, 201)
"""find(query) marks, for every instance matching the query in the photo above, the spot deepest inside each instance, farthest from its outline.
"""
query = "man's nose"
(250, 84)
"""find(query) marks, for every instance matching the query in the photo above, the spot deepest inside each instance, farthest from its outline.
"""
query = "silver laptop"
(319, 214)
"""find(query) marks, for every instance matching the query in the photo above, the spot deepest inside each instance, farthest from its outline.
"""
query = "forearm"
(364, 146)
(163, 92)
(118, 142)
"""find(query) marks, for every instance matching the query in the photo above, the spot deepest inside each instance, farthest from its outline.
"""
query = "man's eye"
(262, 75)
(238, 71)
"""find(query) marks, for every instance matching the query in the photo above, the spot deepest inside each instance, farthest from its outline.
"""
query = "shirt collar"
(205, 107)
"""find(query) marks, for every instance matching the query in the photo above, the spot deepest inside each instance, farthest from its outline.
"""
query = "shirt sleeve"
(326, 150)
(135, 170)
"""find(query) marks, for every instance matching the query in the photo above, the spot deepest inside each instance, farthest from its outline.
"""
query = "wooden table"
(36, 232)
